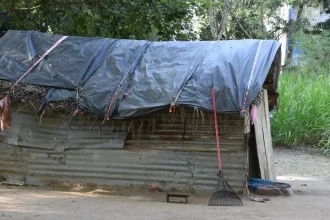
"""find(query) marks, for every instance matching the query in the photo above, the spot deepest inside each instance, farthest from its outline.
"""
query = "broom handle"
(37, 62)
(216, 128)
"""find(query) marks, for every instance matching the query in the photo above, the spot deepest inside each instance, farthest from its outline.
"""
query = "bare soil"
(308, 173)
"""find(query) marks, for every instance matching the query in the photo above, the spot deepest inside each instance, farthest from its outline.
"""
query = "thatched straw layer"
(31, 97)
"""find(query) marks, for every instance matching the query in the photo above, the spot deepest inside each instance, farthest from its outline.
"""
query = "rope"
(251, 76)
(132, 69)
(176, 97)
(37, 62)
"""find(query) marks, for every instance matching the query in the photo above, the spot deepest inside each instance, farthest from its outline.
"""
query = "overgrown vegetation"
(153, 19)
(134, 19)
(303, 116)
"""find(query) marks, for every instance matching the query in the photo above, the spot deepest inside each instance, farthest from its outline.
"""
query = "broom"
(225, 196)
(5, 114)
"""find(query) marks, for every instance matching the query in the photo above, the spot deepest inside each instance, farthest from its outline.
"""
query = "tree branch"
(262, 22)
(213, 23)
(26, 9)
(87, 2)
(236, 19)
(9, 8)
(222, 24)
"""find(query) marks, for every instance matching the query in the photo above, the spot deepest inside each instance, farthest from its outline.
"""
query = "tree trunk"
(222, 25)
(291, 31)
(300, 11)
(228, 7)
(213, 24)
(262, 23)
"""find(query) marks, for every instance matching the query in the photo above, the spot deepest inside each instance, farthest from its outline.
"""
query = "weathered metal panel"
(13, 163)
(10, 136)
(186, 130)
(122, 167)
(51, 133)
(177, 148)
(56, 133)
(82, 134)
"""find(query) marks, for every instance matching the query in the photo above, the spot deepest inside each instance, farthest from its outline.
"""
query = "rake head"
(225, 196)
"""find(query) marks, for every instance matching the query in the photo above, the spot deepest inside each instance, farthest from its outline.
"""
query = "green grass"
(303, 116)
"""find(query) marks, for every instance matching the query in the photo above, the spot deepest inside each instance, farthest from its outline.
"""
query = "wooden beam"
(264, 139)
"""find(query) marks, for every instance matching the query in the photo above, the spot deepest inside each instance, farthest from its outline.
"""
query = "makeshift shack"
(129, 112)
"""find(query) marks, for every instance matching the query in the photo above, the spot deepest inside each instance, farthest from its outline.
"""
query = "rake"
(225, 196)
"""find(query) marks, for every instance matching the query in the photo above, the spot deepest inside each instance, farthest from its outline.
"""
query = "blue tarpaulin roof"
(139, 76)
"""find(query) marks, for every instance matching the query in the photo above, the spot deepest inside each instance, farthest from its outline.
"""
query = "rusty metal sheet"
(10, 136)
(177, 148)
(186, 130)
(50, 133)
(13, 163)
(83, 135)
(122, 167)
(56, 133)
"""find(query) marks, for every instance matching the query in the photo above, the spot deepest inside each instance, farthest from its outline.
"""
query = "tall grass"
(303, 116)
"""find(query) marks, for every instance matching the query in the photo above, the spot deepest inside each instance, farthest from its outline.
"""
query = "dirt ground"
(309, 175)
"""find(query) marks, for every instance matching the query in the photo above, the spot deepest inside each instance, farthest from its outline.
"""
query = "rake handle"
(216, 128)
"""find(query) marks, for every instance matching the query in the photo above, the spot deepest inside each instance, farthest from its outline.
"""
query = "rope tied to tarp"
(242, 113)
(78, 93)
(5, 114)
(176, 97)
(125, 81)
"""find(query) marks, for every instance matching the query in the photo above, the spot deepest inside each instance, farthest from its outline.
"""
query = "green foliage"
(303, 115)
(135, 19)
(247, 19)
(323, 25)
(151, 19)
(317, 52)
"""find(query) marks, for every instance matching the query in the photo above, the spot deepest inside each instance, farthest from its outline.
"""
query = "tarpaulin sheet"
(138, 76)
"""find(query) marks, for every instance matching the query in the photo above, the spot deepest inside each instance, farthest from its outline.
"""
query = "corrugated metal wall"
(188, 130)
(56, 133)
(177, 148)
(120, 167)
